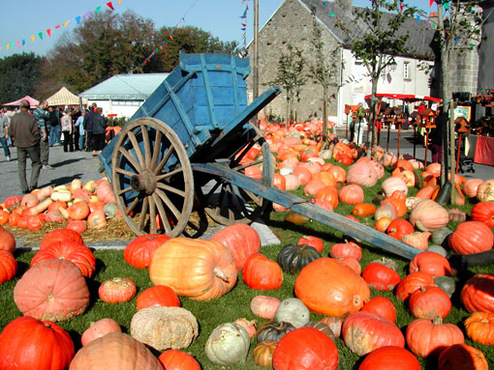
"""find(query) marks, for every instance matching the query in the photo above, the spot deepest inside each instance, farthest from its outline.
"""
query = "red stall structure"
(397, 116)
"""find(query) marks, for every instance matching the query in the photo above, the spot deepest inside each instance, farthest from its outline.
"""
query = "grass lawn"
(235, 304)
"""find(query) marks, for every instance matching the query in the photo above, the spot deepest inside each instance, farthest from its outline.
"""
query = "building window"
(406, 71)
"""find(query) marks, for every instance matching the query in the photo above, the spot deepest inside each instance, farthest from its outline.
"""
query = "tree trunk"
(325, 115)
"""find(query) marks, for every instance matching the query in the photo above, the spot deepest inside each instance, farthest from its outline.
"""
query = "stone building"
(292, 23)
(486, 48)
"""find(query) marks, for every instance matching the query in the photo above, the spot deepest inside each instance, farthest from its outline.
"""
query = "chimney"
(345, 5)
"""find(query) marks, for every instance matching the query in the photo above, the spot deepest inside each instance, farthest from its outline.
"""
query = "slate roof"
(420, 33)
(125, 87)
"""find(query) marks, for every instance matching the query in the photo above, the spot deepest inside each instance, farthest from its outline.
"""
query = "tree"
(455, 34)
(323, 68)
(290, 77)
(19, 75)
(379, 44)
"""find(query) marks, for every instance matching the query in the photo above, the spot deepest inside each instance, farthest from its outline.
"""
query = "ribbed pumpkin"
(351, 194)
(479, 327)
(242, 240)
(69, 250)
(428, 215)
(52, 290)
(305, 348)
(199, 269)
(28, 343)
(139, 252)
(471, 186)
(264, 306)
(392, 184)
(60, 235)
(329, 194)
(263, 353)
(477, 295)
(115, 348)
(462, 356)
(390, 357)
(430, 337)
(7, 240)
(262, 273)
(293, 257)
(364, 332)
(418, 239)
(117, 290)
(485, 191)
(413, 282)
(428, 302)
(363, 174)
(484, 212)
(471, 237)
(380, 277)
(430, 262)
(8, 266)
(330, 288)
(99, 329)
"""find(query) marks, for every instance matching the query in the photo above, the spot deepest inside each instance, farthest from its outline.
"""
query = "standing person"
(67, 131)
(42, 116)
(88, 126)
(79, 129)
(76, 114)
(4, 134)
(98, 134)
(55, 129)
(359, 120)
(436, 143)
(24, 131)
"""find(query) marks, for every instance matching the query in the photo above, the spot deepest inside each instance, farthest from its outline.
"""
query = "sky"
(20, 23)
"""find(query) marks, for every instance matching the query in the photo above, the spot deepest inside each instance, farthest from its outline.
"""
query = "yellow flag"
(32, 38)
(66, 23)
(119, 2)
(7, 46)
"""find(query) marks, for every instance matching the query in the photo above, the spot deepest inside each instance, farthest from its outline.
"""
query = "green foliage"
(116, 121)
(18, 76)
(291, 76)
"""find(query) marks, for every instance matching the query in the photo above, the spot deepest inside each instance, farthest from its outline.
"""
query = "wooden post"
(255, 69)
(452, 152)
(399, 137)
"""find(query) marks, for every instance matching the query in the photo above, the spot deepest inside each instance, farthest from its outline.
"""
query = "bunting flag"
(243, 28)
(22, 41)
(169, 38)
(431, 2)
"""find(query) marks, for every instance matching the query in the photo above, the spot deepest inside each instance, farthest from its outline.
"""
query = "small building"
(293, 23)
(121, 95)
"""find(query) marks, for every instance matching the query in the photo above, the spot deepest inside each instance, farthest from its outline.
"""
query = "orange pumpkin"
(329, 194)
(363, 209)
(328, 287)
(199, 269)
(398, 199)
(351, 194)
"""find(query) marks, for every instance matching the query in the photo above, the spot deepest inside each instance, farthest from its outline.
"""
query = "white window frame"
(406, 71)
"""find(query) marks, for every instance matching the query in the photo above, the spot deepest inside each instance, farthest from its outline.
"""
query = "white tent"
(65, 97)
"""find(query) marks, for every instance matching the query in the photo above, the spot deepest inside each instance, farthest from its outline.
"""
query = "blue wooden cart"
(185, 147)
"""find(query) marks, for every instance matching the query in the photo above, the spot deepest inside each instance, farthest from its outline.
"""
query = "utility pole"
(255, 74)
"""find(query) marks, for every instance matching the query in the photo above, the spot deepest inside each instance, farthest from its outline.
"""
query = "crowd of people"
(33, 132)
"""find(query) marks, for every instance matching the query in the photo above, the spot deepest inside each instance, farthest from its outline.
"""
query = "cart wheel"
(152, 178)
(225, 202)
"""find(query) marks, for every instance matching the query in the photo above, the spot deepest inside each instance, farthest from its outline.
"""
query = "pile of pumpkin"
(82, 206)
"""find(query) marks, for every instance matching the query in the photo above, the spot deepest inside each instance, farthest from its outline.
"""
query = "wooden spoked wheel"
(227, 203)
(152, 178)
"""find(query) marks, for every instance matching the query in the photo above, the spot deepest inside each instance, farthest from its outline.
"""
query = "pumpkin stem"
(219, 273)
(438, 320)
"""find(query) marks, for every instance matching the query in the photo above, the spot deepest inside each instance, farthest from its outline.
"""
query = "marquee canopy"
(64, 97)
(408, 98)
(16, 103)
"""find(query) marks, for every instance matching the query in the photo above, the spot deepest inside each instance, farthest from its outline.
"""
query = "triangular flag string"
(77, 19)
(169, 38)
(243, 28)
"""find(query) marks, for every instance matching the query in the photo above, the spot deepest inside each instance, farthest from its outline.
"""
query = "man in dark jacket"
(42, 118)
(88, 126)
(26, 135)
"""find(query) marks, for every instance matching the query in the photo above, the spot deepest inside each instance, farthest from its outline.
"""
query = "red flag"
(110, 5)
(431, 2)
(48, 31)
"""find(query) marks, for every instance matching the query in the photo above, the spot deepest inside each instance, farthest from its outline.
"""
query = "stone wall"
(291, 24)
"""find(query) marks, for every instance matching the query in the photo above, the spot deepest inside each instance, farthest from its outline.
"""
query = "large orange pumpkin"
(115, 348)
(199, 269)
(428, 215)
(242, 240)
(7, 240)
(28, 343)
(471, 237)
(477, 295)
(52, 290)
(329, 194)
(331, 288)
